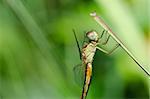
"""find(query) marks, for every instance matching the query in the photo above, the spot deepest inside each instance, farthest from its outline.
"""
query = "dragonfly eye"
(92, 36)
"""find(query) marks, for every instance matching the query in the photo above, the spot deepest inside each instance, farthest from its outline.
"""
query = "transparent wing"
(112, 34)
(79, 74)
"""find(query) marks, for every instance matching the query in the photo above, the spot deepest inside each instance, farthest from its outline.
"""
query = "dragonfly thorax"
(92, 36)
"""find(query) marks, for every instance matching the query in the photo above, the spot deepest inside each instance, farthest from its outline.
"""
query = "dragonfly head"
(92, 36)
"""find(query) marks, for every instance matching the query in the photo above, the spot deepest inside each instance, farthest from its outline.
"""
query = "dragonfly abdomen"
(88, 75)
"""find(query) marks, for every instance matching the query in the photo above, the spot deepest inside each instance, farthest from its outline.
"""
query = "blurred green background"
(38, 50)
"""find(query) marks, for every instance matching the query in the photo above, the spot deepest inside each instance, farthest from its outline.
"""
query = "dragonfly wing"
(79, 74)
(106, 27)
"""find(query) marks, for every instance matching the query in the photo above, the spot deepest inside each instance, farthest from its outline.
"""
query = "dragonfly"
(91, 45)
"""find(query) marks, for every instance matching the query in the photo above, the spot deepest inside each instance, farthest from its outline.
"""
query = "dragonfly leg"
(103, 50)
(108, 52)
(77, 42)
(104, 43)
(107, 39)
(117, 45)
(102, 34)
(84, 38)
